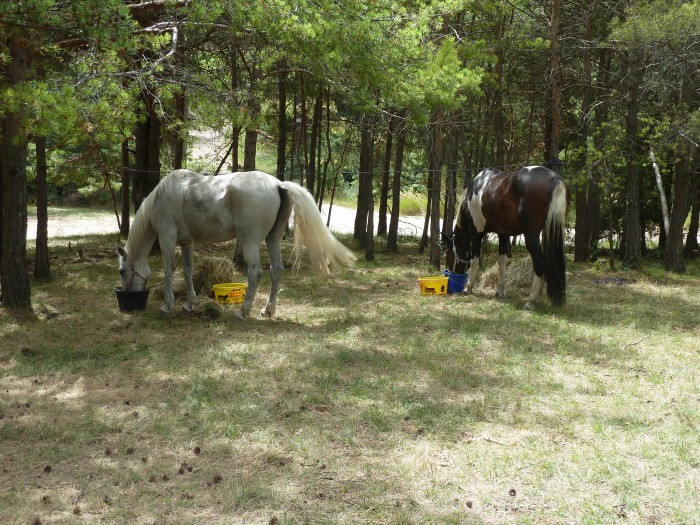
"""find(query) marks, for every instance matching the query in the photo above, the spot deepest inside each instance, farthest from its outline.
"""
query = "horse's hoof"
(500, 295)
(165, 309)
(529, 306)
(239, 315)
(267, 313)
(187, 308)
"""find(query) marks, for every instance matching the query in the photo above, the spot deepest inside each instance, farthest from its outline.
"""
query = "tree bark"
(436, 169)
(315, 135)
(451, 164)
(583, 236)
(555, 72)
(15, 291)
(329, 151)
(126, 182)
(147, 147)
(632, 234)
(41, 260)
(662, 192)
(178, 139)
(384, 191)
(281, 123)
(691, 242)
(364, 194)
(251, 133)
(392, 238)
(673, 254)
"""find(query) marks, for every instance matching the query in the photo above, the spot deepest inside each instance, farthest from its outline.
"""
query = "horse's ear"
(121, 251)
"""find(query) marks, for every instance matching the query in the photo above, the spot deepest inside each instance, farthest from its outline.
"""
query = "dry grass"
(362, 403)
(208, 271)
(519, 275)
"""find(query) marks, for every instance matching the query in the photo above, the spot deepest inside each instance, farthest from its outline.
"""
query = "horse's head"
(134, 277)
(456, 248)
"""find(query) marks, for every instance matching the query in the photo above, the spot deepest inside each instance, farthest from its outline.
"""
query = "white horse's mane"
(137, 245)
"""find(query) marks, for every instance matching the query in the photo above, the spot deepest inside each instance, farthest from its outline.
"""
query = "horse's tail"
(553, 244)
(310, 231)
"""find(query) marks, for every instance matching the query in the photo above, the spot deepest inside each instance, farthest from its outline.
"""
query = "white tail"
(310, 232)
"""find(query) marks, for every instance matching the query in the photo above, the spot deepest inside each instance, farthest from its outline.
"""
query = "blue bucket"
(456, 281)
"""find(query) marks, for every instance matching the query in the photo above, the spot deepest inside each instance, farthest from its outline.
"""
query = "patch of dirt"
(342, 221)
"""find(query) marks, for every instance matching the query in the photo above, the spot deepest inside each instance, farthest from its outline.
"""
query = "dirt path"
(342, 221)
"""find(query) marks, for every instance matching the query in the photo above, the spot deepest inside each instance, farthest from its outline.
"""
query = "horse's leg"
(474, 265)
(251, 254)
(532, 242)
(274, 250)
(167, 250)
(503, 250)
(187, 252)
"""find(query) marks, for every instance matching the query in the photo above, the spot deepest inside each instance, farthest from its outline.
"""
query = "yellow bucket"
(229, 293)
(433, 285)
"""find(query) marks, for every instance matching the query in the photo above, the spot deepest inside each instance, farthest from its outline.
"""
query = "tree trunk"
(691, 242)
(384, 191)
(250, 149)
(594, 192)
(235, 141)
(15, 291)
(178, 139)
(281, 123)
(632, 234)
(584, 176)
(126, 182)
(450, 184)
(392, 238)
(141, 134)
(428, 213)
(315, 135)
(155, 139)
(673, 254)
(251, 133)
(555, 72)
(302, 132)
(498, 120)
(364, 194)
(329, 151)
(436, 169)
(41, 261)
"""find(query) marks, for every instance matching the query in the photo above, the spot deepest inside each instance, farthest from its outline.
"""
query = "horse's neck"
(141, 237)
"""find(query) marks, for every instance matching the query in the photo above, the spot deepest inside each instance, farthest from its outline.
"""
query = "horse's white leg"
(251, 254)
(473, 271)
(502, 260)
(187, 252)
(535, 291)
(167, 249)
(274, 250)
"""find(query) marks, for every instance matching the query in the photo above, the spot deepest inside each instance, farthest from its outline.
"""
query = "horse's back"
(513, 203)
(216, 208)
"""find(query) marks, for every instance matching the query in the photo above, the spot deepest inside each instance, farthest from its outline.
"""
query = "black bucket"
(130, 301)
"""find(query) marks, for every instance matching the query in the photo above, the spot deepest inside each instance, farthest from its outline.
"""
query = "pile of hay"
(207, 272)
(212, 270)
(519, 275)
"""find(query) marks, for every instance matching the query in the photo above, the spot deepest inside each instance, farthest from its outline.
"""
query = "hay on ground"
(207, 272)
(519, 275)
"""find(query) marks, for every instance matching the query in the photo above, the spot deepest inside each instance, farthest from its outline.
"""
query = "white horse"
(185, 207)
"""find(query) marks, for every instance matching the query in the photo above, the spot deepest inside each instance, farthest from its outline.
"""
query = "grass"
(362, 402)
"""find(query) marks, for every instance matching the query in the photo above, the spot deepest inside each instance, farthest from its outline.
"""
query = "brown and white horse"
(530, 201)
